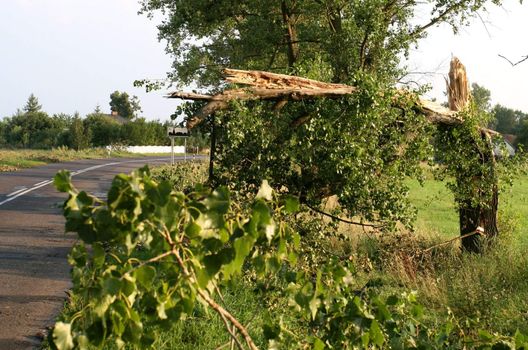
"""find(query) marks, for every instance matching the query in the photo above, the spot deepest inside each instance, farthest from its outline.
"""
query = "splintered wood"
(282, 88)
(457, 87)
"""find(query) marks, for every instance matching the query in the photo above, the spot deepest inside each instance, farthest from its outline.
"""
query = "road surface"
(34, 273)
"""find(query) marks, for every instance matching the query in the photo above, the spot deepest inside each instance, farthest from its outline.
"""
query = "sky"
(72, 54)
(500, 31)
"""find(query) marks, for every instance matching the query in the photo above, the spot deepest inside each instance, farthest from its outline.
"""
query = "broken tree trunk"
(279, 87)
(476, 217)
(283, 88)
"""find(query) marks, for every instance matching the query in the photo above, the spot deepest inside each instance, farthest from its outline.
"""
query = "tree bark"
(288, 19)
(212, 150)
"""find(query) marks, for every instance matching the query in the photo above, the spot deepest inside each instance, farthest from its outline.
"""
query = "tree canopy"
(326, 40)
(359, 148)
(32, 105)
(125, 106)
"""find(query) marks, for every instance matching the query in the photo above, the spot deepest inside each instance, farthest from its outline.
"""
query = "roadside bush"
(182, 176)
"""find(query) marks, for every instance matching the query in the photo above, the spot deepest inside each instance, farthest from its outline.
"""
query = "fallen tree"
(477, 205)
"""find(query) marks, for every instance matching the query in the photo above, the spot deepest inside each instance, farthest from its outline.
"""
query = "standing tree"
(481, 97)
(125, 106)
(32, 105)
(79, 134)
(507, 120)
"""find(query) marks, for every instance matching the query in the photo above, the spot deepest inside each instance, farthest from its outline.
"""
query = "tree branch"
(219, 309)
(437, 19)
(478, 231)
(280, 87)
(340, 219)
(516, 63)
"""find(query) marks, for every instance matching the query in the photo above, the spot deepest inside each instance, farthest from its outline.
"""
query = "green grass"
(436, 209)
(437, 213)
(12, 160)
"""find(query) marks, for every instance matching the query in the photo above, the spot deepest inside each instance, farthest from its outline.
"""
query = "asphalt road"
(34, 272)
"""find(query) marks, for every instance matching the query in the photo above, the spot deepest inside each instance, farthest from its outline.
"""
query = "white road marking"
(25, 192)
(20, 190)
(41, 184)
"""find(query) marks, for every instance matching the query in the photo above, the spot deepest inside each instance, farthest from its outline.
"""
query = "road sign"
(177, 132)
(173, 132)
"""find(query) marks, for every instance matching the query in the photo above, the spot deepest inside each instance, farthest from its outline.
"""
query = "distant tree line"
(33, 128)
(505, 120)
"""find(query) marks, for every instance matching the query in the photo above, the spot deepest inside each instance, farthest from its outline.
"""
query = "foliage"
(141, 132)
(125, 106)
(481, 97)
(79, 135)
(148, 254)
(183, 176)
(105, 131)
(338, 37)
(360, 148)
(32, 105)
(33, 128)
(154, 253)
(461, 151)
(3, 127)
(522, 139)
(507, 120)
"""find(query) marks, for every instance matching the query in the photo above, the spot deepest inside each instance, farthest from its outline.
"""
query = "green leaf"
(291, 204)
(376, 334)
(218, 201)
(242, 247)
(192, 230)
(133, 332)
(112, 286)
(160, 309)
(485, 335)
(98, 255)
(520, 339)
(145, 275)
(62, 337)
(318, 344)
(62, 181)
(314, 306)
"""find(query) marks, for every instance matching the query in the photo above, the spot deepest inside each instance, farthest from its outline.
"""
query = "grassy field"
(12, 160)
(486, 291)
(437, 213)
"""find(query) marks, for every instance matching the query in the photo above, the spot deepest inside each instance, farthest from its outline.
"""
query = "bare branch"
(516, 63)
(437, 19)
(341, 219)
(478, 231)
(219, 309)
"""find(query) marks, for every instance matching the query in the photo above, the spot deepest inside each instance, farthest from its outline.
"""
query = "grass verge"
(13, 160)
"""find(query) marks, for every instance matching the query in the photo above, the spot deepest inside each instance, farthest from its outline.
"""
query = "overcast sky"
(73, 53)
